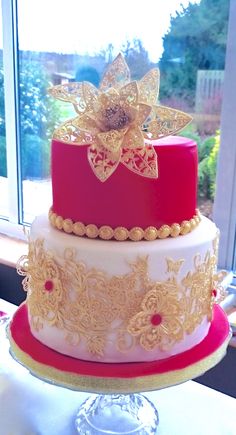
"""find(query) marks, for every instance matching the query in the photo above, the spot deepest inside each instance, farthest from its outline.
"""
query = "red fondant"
(126, 199)
(156, 319)
(214, 293)
(20, 332)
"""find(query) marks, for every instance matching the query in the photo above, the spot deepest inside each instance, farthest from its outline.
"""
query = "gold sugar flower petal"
(112, 140)
(118, 120)
(165, 121)
(129, 93)
(133, 138)
(70, 133)
(149, 87)
(141, 161)
(86, 123)
(117, 74)
(69, 92)
(102, 162)
(90, 95)
(144, 111)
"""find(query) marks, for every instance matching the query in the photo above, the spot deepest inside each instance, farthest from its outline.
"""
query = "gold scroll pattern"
(132, 307)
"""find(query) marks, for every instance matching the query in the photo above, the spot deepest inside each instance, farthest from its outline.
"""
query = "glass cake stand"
(113, 414)
(118, 407)
(117, 414)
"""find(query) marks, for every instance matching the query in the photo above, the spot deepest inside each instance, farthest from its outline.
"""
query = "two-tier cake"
(124, 268)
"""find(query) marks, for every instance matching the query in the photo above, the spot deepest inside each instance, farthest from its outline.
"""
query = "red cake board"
(97, 377)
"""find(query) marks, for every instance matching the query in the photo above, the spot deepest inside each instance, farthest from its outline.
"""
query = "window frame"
(10, 68)
(224, 213)
(11, 225)
(225, 200)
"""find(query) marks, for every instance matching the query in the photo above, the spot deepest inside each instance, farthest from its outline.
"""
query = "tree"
(196, 40)
(88, 74)
(38, 111)
(39, 115)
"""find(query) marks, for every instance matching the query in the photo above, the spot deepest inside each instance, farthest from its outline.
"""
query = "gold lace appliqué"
(87, 303)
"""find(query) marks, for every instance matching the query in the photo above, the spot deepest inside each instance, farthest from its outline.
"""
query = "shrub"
(207, 157)
(35, 157)
(207, 166)
(205, 147)
(212, 164)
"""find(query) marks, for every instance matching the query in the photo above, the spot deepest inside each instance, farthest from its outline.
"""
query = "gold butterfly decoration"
(118, 120)
(174, 266)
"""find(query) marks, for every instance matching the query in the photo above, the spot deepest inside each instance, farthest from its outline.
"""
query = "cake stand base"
(117, 414)
(125, 378)
(118, 410)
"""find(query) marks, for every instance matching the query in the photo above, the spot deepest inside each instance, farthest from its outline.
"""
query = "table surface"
(29, 406)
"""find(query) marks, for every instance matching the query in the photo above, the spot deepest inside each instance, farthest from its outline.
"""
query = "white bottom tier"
(115, 301)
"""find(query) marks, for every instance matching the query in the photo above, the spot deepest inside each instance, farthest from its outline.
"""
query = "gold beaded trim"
(136, 234)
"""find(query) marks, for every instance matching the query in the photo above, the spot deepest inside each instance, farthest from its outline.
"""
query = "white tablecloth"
(29, 406)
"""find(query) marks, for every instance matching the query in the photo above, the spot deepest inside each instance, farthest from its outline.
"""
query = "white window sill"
(11, 249)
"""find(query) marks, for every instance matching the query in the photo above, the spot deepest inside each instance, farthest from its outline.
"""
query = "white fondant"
(114, 258)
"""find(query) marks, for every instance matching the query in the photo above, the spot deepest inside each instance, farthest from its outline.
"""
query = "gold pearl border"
(136, 234)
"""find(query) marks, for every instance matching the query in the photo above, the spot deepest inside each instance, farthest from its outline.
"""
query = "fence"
(209, 91)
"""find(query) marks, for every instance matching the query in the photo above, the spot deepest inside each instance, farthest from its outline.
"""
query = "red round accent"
(48, 285)
(214, 293)
(156, 319)
(126, 199)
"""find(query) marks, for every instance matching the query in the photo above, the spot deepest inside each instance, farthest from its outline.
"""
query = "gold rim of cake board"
(105, 232)
(110, 385)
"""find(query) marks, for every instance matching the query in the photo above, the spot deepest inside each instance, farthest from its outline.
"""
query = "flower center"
(156, 319)
(115, 117)
(48, 285)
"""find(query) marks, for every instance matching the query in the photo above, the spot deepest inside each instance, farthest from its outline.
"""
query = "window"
(225, 201)
(52, 42)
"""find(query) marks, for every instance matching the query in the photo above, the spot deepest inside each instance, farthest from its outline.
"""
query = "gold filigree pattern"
(118, 120)
(87, 304)
(135, 234)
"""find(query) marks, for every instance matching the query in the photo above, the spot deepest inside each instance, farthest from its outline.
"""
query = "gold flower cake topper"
(118, 120)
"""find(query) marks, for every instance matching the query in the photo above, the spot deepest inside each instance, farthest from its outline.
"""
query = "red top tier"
(126, 199)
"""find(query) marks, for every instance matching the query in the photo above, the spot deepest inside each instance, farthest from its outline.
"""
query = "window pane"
(192, 70)
(3, 158)
(79, 40)
(37, 121)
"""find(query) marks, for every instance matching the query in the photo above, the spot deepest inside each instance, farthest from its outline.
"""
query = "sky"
(87, 26)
